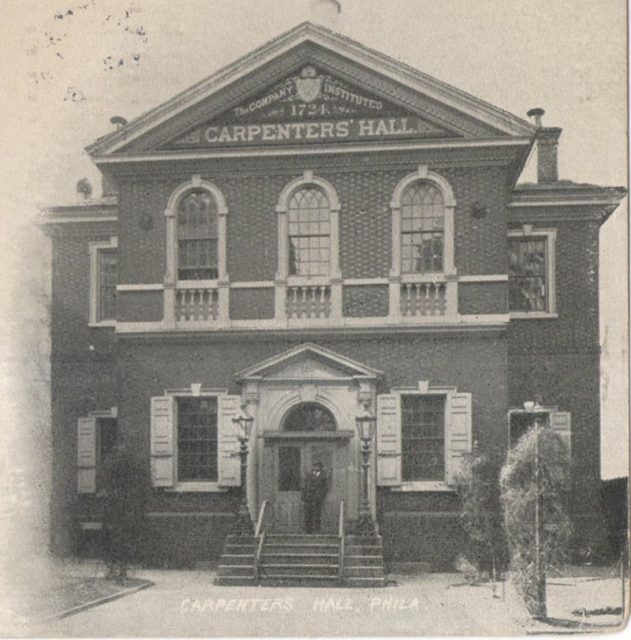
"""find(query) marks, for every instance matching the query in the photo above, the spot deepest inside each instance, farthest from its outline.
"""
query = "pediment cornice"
(306, 362)
(441, 104)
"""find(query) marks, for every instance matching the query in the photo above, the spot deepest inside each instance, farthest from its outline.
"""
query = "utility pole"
(540, 570)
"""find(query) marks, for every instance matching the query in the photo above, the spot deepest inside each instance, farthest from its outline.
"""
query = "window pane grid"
(422, 229)
(197, 236)
(423, 437)
(309, 233)
(527, 274)
(197, 439)
(107, 278)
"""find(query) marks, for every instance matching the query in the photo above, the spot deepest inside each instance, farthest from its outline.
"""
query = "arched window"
(422, 228)
(309, 229)
(197, 236)
(309, 416)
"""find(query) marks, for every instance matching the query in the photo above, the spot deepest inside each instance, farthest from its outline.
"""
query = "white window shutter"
(86, 455)
(389, 440)
(458, 434)
(228, 462)
(162, 442)
(561, 423)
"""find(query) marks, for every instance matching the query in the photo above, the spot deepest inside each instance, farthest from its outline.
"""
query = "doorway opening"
(308, 435)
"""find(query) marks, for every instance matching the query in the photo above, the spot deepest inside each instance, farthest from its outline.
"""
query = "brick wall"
(251, 304)
(82, 369)
(576, 328)
(139, 306)
(558, 361)
(148, 367)
(365, 220)
(482, 297)
(365, 301)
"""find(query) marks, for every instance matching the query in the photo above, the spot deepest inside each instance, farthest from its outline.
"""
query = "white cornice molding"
(345, 47)
(486, 322)
(332, 359)
(342, 148)
(78, 219)
(566, 202)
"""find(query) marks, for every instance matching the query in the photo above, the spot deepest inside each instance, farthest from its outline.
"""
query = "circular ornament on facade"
(478, 210)
(146, 222)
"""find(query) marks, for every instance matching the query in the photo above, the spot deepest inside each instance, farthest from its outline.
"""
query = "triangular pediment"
(310, 106)
(310, 85)
(308, 362)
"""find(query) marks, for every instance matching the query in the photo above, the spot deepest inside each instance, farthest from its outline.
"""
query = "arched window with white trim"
(308, 279)
(309, 220)
(422, 225)
(422, 228)
(197, 236)
(422, 273)
(196, 284)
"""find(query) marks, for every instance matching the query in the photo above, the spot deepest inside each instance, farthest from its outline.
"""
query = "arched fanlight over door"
(309, 416)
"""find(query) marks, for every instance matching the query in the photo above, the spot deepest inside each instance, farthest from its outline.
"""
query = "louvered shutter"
(389, 440)
(561, 423)
(228, 462)
(86, 455)
(162, 442)
(458, 435)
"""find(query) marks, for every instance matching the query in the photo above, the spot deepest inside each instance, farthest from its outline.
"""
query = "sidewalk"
(186, 603)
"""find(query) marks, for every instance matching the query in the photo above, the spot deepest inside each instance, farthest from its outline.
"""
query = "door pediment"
(308, 362)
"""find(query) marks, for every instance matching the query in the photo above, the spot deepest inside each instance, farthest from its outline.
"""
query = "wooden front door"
(293, 460)
(289, 470)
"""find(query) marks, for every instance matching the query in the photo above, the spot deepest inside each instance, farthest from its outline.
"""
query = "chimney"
(547, 148)
(118, 122)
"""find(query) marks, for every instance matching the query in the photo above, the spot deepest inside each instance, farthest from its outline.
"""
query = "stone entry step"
(302, 560)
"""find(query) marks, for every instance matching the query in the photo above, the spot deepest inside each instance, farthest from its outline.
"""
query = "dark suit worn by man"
(313, 493)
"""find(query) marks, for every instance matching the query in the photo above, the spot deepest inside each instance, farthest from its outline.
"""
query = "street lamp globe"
(243, 423)
(365, 422)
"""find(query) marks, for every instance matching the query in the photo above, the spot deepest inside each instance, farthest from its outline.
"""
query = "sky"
(69, 66)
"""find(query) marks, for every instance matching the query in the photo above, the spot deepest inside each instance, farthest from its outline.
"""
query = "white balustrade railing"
(308, 301)
(196, 305)
(424, 299)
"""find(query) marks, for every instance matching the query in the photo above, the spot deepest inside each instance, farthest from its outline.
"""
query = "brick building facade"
(314, 231)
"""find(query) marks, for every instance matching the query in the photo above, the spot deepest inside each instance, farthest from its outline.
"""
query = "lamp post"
(365, 428)
(243, 423)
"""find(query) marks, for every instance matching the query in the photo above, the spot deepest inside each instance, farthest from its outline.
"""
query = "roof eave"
(601, 199)
(502, 120)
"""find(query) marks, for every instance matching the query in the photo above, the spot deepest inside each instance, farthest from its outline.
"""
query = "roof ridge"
(304, 29)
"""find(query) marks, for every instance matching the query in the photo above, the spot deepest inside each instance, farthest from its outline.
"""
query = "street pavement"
(186, 603)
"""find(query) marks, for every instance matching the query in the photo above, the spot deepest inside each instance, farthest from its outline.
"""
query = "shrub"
(126, 483)
(536, 471)
(481, 518)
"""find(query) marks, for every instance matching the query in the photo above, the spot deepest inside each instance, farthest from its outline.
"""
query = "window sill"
(424, 485)
(532, 315)
(102, 323)
(197, 284)
(429, 277)
(196, 487)
(314, 281)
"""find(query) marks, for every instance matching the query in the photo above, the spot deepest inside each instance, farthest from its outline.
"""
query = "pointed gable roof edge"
(306, 31)
(305, 349)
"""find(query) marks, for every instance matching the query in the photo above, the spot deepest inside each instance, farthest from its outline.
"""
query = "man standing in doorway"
(314, 491)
